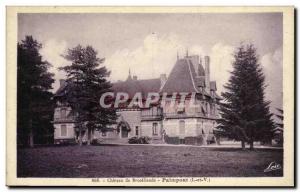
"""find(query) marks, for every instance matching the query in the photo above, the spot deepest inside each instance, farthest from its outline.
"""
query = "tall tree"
(34, 102)
(87, 82)
(280, 117)
(244, 111)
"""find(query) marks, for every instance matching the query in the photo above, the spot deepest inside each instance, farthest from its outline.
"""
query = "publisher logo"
(272, 167)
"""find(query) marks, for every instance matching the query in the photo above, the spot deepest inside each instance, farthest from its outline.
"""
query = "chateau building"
(177, 124)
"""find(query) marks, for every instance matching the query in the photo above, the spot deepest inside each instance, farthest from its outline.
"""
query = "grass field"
(145, 161)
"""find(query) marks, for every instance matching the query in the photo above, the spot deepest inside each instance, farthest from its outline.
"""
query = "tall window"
(63, 113)
(181, 127)
(199, 127)
(137, 131)
(154, 129)
(63, 130)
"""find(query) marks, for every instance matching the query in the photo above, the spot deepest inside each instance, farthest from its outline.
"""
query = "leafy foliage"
(34, 104)
(87, 82)
(280, 117)
(245, 113)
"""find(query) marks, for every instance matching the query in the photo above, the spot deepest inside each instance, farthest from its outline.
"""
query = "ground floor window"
(199, 127)
(181, 127)
(154, 129)
(63, 130)
(137, 131)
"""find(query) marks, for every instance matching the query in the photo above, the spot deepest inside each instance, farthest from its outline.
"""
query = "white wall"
(147, 128)
(70, 131)
(171, 127)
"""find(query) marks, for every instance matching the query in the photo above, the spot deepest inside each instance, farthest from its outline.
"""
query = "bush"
(96, 142)
(133, 140)
(140, 140)
(194, 140)
(144, 140)
(172, 140)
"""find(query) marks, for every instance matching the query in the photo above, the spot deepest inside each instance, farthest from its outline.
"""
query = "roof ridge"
(162, 87)
(192, 77)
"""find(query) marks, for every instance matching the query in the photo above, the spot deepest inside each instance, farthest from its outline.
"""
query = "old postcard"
(150, 96)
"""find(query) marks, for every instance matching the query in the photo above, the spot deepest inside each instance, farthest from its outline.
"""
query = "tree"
(278, 131)
(34, 104)
(245, 114)
(87, 82)
(280, 117)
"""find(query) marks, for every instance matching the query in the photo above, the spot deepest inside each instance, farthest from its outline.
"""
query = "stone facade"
(175, 124)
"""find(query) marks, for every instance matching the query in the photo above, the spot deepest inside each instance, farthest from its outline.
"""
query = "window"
(211, 108)
(63, 113)
(181, 127)
(63, 130)
(154, 129)
(137, 131)
(199, 128)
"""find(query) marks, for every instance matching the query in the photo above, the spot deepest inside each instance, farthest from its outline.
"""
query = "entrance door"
(124, 132)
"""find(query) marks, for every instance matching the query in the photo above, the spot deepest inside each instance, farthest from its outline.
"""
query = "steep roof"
(180, 79)
(183, 78)
(131, 86)
(60, 91)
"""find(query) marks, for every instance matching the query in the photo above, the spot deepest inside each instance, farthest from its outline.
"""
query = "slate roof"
(60, 91)
(183, 78)
(131, 86)
(179, 79)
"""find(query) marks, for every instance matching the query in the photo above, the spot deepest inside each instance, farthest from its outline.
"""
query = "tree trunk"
(243, 145)
(31, 141)
(251, 145)
(80, 137)
(89, 136)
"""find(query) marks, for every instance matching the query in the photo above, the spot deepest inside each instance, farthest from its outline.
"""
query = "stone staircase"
(156, 141)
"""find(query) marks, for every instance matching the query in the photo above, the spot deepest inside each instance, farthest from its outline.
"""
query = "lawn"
(145, 161)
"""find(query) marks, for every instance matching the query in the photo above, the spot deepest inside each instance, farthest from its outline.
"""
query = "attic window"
(180, 108)
(63, 113)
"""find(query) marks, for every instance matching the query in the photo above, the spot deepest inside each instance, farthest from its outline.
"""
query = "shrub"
(172, 140)
(133, 140)
(140, 140)
(96, 142)
(194, 140)
(144, 140)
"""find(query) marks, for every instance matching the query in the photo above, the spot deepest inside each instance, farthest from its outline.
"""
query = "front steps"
(157, 141)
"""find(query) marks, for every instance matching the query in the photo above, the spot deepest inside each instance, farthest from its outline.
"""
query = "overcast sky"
(148, 43)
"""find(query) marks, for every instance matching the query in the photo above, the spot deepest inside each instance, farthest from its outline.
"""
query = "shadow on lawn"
(246, 150)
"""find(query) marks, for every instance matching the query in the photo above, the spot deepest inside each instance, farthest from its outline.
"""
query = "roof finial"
(177, 56)
(187, 52)
(129, 75)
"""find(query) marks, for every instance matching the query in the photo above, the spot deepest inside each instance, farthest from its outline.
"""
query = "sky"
(148, 44)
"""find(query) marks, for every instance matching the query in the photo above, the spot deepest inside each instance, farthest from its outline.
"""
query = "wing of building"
(167, 121)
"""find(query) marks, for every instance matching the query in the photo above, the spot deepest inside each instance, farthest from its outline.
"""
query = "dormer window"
(63, 113)
(180, 108)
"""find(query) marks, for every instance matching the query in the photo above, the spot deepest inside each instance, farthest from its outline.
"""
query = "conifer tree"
(280, 117)
(245, 114)
(34, 103)
(87, 82)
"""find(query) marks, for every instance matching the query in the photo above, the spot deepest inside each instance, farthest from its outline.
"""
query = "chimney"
(163, 79)
(207, 74)
(134, 77)
(200, 66)
(62, 82)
